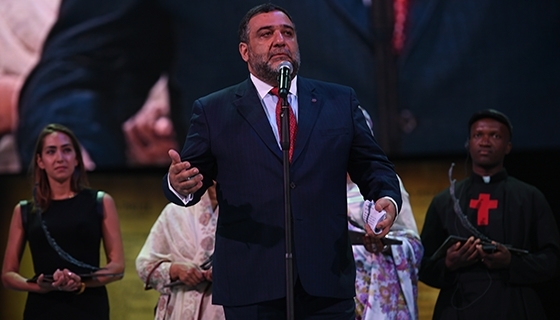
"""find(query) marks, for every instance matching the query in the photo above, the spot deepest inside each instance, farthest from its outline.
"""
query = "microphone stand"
(285, 143)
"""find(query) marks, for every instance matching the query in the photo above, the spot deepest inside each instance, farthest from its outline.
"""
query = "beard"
(263, 69)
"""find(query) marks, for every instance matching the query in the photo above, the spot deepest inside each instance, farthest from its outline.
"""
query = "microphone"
(284, 79)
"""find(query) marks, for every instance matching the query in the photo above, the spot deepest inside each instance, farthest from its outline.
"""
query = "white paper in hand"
(371, 216)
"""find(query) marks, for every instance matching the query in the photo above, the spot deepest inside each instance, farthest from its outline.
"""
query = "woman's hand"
(207, 274)
(63, 280)
(372, 243)
(187, 273)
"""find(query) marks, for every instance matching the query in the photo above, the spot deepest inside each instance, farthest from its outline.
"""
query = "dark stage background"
(124, 74)
(101, 58)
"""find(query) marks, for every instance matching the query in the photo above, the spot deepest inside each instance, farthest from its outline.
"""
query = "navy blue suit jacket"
(230, 140)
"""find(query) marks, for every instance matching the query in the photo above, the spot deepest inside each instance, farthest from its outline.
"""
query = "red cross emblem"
(483, 204)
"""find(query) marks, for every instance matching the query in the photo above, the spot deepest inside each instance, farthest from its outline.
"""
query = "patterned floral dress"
(387, 282)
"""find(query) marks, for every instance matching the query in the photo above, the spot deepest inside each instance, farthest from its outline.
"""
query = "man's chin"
(273, 64)
(275, 61)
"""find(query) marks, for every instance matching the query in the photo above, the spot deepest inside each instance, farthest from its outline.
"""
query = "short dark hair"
(243, 31)
(492, 114)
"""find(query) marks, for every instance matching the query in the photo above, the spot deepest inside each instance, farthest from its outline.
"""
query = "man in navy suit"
(233, 139)
(102, 57)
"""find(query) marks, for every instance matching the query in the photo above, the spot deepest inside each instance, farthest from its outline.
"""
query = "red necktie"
(293, 122)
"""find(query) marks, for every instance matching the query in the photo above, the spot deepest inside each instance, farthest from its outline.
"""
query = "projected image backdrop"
(123, 75)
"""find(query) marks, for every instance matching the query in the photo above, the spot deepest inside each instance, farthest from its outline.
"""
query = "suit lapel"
(250, 107)
(309, 105)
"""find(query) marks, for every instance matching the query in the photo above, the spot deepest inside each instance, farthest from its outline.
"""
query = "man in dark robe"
(511, 241)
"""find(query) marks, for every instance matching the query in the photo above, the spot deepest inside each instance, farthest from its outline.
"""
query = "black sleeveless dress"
(75, 224)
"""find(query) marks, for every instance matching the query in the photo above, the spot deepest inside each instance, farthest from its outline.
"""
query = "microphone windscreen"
(285, 64)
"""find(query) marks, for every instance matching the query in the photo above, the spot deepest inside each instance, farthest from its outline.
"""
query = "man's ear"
(243, 50)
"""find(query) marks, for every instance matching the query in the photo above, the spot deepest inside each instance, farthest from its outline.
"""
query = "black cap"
(492, 114)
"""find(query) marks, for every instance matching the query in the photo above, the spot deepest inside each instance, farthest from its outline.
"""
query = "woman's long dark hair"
(41, 187)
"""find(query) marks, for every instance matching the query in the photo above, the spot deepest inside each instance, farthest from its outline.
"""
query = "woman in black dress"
(64, 225)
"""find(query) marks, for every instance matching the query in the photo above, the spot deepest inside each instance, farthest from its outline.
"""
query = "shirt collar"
(497, 177)
(264, 88)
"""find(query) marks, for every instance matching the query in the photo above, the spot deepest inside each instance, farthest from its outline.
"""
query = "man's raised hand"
(183, 178)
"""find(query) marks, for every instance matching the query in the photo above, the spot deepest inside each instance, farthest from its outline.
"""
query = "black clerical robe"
(510, 212)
